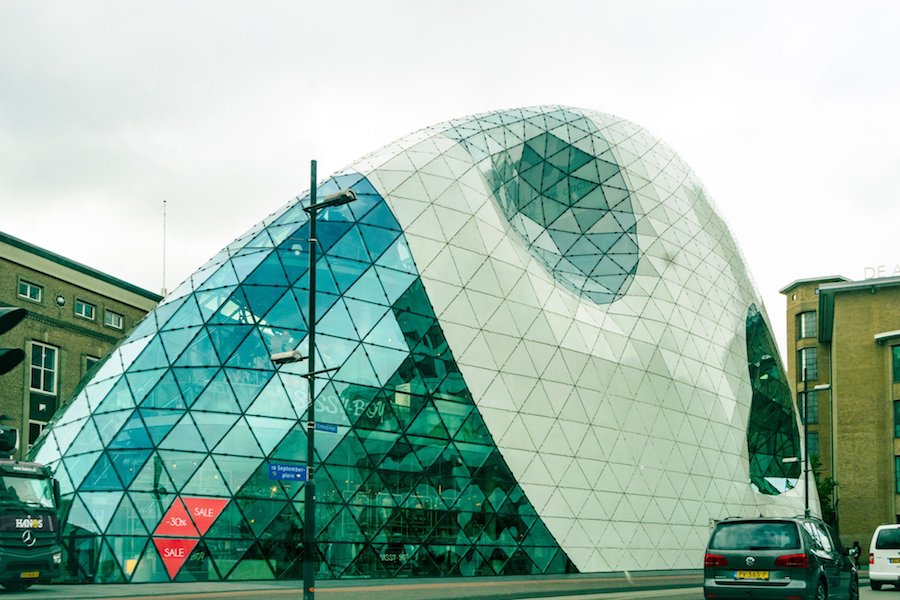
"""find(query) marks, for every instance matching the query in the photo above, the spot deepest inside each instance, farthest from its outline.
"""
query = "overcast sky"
(789, 112)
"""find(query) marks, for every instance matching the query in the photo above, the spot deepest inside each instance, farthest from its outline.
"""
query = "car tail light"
(871, 558)
(714, 560)
(793, 561)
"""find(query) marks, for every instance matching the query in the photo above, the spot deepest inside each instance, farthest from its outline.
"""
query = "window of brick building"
(806, 325)
(812, 410)
(85, 310)
(35, 428)
(807, 359)
(30, 291)
(812, 443)
(895, 350)
(43, 368)
(113, 319)
(897, 418)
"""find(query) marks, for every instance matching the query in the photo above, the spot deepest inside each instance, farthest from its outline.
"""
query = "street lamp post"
(309, 502)
(818, 388)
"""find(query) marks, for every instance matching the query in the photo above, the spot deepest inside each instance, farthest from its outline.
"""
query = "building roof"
(76, 266)
(799, 282)
(827, 292)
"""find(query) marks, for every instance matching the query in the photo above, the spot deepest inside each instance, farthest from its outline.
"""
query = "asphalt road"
(497, 588)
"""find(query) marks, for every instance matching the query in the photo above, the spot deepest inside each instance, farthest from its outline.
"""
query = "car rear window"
(888, 539)
(755, 536)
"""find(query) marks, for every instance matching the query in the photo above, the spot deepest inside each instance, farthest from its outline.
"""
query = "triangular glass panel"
(152, 357)
(118, 398)
(176, 340)
(199, 353)
(236, 469)
(128, 463)
(158, 423)
(102, 477)
(142, 382)
(154, 478)
(126, 520)
(213, 426)
(239, 441)
(273, 401)
(165, 394)
(247, 383)
(184, 436)
(181, 466)
(193, 381)
(103, 506)
(206, 481)
(217, 397)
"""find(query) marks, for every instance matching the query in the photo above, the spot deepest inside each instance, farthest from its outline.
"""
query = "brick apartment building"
(76, 314)
(847, 336)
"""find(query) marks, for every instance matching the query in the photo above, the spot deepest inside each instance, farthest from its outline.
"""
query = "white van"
(884, 557)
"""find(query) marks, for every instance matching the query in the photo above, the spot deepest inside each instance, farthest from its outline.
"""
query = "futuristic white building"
(549, 358)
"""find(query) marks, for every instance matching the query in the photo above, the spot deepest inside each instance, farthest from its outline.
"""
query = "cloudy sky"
(787, 111)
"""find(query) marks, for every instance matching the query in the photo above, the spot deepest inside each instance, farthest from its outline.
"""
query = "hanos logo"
(29, 523)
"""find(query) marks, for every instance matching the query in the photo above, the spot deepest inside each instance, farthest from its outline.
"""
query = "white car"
(884, 557)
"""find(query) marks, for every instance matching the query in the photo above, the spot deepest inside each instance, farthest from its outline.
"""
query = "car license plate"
(751, 574)
(30, 574)
(894, 561)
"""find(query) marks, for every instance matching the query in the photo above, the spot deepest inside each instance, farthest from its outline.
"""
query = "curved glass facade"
(538, 331)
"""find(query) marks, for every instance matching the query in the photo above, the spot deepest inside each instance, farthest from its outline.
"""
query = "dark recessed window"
(812, 414)
(897, 474)
(812, 443)
(35, 428)
(43, 368)
(895, 350)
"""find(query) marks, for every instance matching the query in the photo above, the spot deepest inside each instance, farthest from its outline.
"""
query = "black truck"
(30, 550)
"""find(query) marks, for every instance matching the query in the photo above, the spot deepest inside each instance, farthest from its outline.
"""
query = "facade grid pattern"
(548, 358)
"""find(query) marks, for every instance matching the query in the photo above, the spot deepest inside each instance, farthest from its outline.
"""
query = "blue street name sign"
(287, 472)
(326, 427)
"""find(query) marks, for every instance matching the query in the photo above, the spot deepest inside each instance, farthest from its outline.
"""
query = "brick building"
(76, 314)
(847, 335)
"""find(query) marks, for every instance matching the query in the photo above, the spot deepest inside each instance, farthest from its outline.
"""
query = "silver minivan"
(884, 557)
(779, 557)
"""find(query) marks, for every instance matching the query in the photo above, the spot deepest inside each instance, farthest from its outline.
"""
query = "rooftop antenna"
(164, 251)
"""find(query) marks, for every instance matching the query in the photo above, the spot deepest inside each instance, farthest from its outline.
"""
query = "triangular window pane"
(213, 426)
(217, 396)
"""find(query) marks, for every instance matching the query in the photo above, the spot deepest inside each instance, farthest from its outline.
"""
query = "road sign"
(287, 472)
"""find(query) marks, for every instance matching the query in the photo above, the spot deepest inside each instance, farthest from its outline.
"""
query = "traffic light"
(10, 357)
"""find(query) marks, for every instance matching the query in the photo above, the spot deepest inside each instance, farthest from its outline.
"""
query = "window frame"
(807, 325)
(31, 285)
(107, 321)
(811, 410)
(811, 365)
(812, 435)
(80, 303)
(897, 418)
(42, 368)
(42, 425)
(897, 474)
(895, 363)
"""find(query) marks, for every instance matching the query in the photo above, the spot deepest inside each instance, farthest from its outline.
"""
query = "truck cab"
(30, 550)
